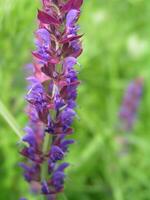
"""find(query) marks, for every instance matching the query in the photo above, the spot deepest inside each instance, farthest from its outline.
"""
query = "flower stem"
(44, 171)
(46, 145)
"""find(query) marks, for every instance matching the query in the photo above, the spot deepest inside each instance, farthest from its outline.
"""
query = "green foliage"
(116, 50)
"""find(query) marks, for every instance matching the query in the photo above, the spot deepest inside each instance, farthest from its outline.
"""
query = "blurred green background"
(116, 50)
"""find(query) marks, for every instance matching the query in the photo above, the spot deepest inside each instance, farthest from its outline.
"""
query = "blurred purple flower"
(130, 104)
(51, 96)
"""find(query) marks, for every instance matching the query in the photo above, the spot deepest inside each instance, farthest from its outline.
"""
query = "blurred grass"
(116, 50)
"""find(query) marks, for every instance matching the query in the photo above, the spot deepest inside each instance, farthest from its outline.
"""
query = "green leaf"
(8, 117)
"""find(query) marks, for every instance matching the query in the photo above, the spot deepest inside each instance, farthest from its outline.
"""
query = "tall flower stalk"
(51, 96)
(130, 104)
(128, 112)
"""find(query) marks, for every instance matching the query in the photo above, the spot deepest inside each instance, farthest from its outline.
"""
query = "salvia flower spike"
(51, 96)
(130, 104)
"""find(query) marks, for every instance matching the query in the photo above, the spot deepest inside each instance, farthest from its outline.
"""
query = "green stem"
(46, 146)
(44, 172)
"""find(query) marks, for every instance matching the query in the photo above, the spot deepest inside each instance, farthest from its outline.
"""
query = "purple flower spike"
(51, 96)
(130, 104)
